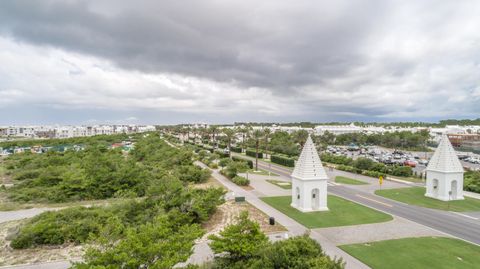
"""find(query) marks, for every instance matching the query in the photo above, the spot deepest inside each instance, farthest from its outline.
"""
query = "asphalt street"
(460, 225)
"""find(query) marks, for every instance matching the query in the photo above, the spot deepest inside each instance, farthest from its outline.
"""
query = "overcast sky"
(80, 62)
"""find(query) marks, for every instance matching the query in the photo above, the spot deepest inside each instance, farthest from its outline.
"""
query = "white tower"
(445, 173)
(309, 181)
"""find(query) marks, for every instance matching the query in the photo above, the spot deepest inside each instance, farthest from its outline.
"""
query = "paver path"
(398, 228)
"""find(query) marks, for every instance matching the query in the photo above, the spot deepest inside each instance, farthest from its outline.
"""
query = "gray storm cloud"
(371, 59)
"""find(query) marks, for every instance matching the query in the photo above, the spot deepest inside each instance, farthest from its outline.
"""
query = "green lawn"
(281, 184)
(416, 196)
(342, 213)
(261, 172)
(350, 181)
(422, 252)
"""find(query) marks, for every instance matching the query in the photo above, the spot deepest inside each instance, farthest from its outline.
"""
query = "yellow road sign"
(380, 180)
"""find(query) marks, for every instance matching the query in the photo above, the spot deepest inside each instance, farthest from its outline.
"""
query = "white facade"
(445, 173)
(338, 129)
(309, 181)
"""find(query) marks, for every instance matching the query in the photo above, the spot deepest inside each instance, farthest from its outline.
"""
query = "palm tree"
(213, 130)
(257, 136)
(267, 133)
(230, 134)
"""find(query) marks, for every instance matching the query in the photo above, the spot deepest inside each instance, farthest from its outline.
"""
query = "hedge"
(373, 174)
(236, 149)
(349, 169)
(241, 181)
(249, 162)
(222, 154)
(282, 160)
(252, 153)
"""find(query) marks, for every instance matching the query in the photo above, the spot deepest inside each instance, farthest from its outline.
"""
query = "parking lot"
(417, 160)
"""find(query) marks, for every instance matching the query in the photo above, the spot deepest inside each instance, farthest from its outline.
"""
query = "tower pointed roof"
(309, 165)
(445, 159)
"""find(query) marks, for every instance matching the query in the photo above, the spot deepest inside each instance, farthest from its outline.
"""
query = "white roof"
(445, 159)
(309, 166)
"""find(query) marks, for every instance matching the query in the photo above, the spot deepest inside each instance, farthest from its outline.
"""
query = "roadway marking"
(370, 199)
(466, 216)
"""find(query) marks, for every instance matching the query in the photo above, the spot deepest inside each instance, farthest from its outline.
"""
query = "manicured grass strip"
(261, 172)
(420, 252)
(416, 196)
(281, 184)
(350, 181)
(342, 213)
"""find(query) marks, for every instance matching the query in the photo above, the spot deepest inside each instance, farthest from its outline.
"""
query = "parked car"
(410, 163)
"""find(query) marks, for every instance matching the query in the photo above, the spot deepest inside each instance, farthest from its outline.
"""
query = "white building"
(338, 129)
(445, 173)
(309, 181)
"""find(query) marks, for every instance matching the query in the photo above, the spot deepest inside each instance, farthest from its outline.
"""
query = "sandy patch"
(9, 256)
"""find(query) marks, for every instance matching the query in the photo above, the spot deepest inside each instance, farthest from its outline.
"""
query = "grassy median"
(349, 181)
(416, 196)
(421, 252)
(341, 213)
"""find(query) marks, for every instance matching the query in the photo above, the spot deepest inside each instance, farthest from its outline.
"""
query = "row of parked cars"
(373, 153)
(469, 159)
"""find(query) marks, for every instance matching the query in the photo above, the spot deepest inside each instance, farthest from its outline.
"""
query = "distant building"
(466, 141)
(338, 129)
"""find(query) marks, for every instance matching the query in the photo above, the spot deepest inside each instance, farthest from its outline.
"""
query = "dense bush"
(238, 159)
(401, 171)
(73, 225)
(244, 245)
(236, 149)
(472, 181)
(282, 160)
(336, 159)
(222, 154)
(191, 173)
(241, 181)
(79, 224)
(373, 174)
(348, 168)
(253, 154)
(98, 172)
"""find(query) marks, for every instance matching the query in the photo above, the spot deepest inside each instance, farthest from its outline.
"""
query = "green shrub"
(349, 169)
(72, 225)
(472, 181)
(373, 174)
(241, 181)
(402, 171)
(222, 154)
(213, 165)
(224, 162)
(282, 160)
(238, 159)
(236, 149)
(252, 153)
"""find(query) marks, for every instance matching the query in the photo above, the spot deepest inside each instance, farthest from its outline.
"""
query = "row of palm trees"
(212, 133)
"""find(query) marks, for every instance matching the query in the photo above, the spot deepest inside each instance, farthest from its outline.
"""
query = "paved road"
(462, 225)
